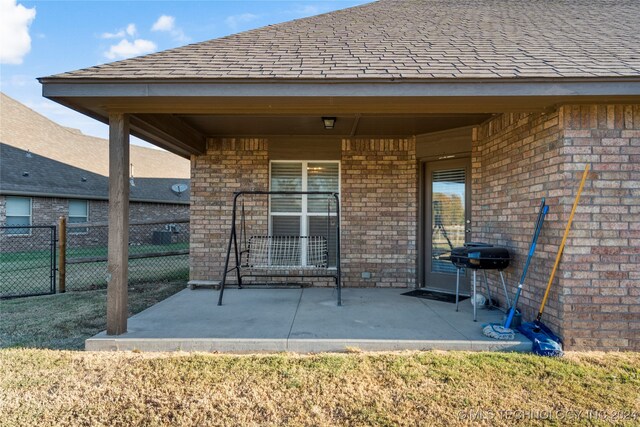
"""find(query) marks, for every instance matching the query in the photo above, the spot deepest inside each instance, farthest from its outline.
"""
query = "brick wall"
(515, 162)
(379, 179)
(599, 270)
(228, 165)
(378, 207)
(47, 211)
(519, 158)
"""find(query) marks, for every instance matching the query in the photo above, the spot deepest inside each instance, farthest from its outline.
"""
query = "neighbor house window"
(78, 214)
(18, 214)
(305, 215)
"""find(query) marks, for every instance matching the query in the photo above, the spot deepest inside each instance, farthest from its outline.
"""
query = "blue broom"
(504, 332)
(545, 342)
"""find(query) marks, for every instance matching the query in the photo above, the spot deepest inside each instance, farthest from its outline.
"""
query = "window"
(304, 215)
(78, 213)
(18, 213)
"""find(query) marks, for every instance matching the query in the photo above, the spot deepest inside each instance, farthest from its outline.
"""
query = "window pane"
(321, 177)
(78, 208)
(318, 227)
(448, 216)
(18, 206)
(285, 226)
(286, 177)
(13, 221)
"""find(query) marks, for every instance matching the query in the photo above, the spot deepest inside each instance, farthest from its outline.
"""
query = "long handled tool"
(504, 332)
(543, 212)
(545, 342)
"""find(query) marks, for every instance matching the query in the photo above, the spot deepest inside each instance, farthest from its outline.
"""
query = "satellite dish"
(179, 188)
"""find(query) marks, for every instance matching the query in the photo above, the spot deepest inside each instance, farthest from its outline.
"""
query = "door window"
(447, 216)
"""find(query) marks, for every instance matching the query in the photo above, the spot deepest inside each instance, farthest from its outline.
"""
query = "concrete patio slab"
(306, 321)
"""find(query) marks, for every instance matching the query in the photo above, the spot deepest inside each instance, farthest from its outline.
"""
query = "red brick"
(597, 260)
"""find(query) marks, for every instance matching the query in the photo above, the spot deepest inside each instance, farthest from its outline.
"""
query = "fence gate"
(27, 261)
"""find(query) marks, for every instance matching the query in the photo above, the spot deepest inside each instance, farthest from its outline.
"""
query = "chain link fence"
(157, 251)
(27, 260)
(31, 261)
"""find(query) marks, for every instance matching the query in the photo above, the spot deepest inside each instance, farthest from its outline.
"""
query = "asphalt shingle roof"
(23, 128)
(26, 173)
(40, 157)
(414, 39)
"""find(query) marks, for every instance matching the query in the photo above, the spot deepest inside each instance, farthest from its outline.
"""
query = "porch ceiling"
(352, 125)
(179, 116)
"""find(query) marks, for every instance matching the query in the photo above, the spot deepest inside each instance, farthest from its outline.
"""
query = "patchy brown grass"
(43, 387)
(64, 321)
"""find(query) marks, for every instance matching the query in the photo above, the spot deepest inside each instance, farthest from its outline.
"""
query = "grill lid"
(481, 256)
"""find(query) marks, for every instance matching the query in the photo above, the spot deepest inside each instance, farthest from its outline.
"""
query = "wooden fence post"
(62, 259)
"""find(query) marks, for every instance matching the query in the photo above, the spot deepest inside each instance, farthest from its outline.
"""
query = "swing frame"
(232, 246)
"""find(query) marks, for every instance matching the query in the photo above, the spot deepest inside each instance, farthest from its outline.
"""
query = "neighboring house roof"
(23, 128)
(427, 39)
(30, 174)
(41, 158)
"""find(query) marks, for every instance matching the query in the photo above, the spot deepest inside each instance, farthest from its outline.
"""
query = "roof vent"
(28, 155)
(25, 173)
(179, 189)
(131, 181)
(83, 179)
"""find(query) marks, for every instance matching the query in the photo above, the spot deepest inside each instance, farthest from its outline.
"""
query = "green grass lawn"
(64, 321)
(29, 272)
(42, 387)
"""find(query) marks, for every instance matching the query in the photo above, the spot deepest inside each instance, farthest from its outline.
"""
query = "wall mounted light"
(329, 122)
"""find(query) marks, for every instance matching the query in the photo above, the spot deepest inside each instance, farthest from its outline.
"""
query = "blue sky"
(41, 38)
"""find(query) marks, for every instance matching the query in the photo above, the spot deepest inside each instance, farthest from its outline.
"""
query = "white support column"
(117, 292)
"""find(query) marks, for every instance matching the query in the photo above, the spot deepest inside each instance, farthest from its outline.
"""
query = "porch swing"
(262, 253)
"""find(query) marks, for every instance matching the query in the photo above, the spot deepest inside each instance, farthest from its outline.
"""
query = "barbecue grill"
(480, 256)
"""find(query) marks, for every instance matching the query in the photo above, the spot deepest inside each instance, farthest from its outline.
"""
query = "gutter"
(450, 88)
(363, 80)
(88, 197)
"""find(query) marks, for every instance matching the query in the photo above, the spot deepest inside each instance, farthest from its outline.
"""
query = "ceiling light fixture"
(329, 122)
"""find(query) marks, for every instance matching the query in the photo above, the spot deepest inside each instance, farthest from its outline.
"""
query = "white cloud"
(308, 10)
(179, 36)
(120, 34)
(126, 49)
(164, 23)
(167, 24)
(234, 21)
(131, 29)
(15, 41)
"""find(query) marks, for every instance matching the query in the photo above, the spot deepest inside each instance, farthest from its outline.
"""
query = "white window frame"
(78, 230)
(304, 214)
(6, 209)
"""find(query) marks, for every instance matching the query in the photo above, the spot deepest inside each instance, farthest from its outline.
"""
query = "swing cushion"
(286, 252)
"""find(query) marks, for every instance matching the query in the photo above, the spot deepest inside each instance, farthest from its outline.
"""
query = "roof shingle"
(25, 129)
(414, 39)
